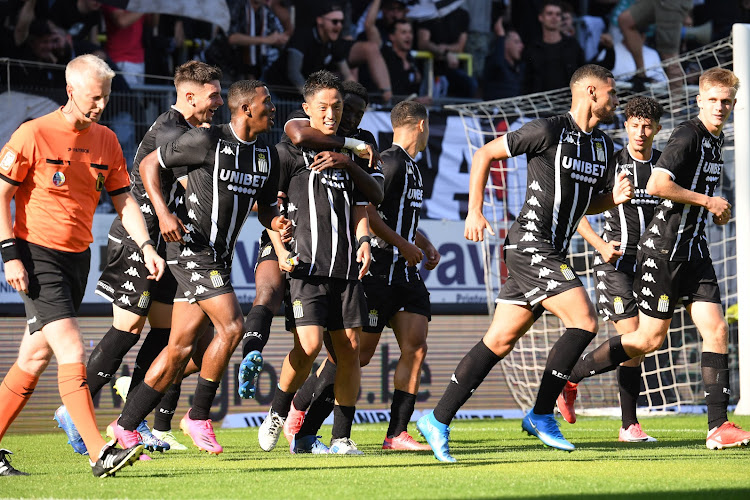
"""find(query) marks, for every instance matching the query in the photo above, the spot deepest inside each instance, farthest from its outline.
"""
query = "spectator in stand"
(256, 35)
(446, 37)
(504, 69)
(668, 15)
(321, 47)
(551, 60)
(79, 20)
(125, 42)
(479, 39)
(377, 29)
(406, 78)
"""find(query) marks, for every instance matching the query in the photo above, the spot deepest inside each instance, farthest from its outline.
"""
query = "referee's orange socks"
(74, 391)
(15, 391)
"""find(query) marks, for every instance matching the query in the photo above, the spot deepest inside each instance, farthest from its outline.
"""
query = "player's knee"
(415, 349)
(269, 296)
(366, 355)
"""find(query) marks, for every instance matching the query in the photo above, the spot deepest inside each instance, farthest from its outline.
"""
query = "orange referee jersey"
(60, 172)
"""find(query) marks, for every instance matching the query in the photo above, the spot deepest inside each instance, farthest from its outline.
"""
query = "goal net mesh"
(671, 376)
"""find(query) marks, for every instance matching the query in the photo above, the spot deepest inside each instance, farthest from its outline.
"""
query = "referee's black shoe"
(5, 468)
(112, 459)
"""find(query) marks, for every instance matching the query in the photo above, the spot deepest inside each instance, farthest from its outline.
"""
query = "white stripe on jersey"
(313, 214)
(235, 202)
(334, 230)
(399, 224)
(348, 215)
(215, 202)
(686, 211)
(558, 189)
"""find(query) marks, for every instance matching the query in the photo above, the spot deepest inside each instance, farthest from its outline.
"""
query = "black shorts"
(199, 275)
(660, 283)
(57, 283)
(535, 274)
(614, 289)
(125, 283)
(266, 251)
(332, 303)
(384, 301)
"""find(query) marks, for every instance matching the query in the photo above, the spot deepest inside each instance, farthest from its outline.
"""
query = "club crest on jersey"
(567, 272)
(373, 315)
(216, 280)
(663, 305)
(599, 148)
(144, 300)
(297, 309)
(262, 163)
(619, 306)
(58, 179)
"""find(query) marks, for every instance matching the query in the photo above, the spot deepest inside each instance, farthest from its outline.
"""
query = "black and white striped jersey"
(168, 127)
(226, 176)
(628, 221)
(321, 208)
(693, 159)
(566, 168)
(400, 210)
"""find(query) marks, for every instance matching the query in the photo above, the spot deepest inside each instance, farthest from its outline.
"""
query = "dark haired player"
(229, 169)
(568, 158)
(673, 258)
(614, 264)
(124, 281)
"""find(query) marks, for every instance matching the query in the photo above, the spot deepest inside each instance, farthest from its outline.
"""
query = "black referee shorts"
(57, 283)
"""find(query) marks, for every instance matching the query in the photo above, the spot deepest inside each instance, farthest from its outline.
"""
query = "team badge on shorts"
(663, 305)
(144, 300)
(216, 280)
(567, 272)
(266, 251)
(619, 307)
(373, 315)
(297, 309)
(58, 179)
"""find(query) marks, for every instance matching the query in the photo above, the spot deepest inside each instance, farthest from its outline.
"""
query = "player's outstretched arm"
(15, 272)
(496, 149)
(411, 253)
(364, 254)
(609, 250)
(135, 225)
(662, 185)
(432, 254)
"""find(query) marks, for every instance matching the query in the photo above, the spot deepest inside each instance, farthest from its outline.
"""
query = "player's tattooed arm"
(409, 251)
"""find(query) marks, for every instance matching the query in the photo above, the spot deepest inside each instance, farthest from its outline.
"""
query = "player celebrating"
(329, 213)
(568, 158)
(56, 166)
(614, 265)
(229, 168)
(673, 261)
(124, 281)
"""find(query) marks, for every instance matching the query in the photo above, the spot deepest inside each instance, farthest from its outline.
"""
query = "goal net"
(671, 376)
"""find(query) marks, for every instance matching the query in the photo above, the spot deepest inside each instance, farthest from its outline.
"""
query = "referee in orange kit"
(56, 166)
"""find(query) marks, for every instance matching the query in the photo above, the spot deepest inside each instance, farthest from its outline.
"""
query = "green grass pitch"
(495, 460)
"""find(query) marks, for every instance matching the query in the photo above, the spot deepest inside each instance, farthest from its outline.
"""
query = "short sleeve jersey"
(321, 207)
(693, 159)
(226, 176)
(167, 128)
(60, 172)
(628, 221)
(400, 210)
(566, 168)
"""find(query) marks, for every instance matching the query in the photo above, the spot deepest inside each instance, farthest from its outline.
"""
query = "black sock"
(304, 395)
(205, 392)
(141, 401)
(257, 329)
(629, 381)
(156, 340)
(321, 407)
(165, 411)
(343, 417)
(107, 358)
(604, 358)
(470, 372)
(715, 371)
(402, 408)
(560, 361)
(281, 402)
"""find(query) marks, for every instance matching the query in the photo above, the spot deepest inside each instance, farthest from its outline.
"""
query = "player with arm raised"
(673, 260)
(568, 158)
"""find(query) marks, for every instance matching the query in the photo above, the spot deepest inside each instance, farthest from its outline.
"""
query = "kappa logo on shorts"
(186, 252)
(216, 280)
(650, 263)
(534, 202)
(535, 186)
(530, 226)
(649, 243)
(266, 251)
(193, 198)
(200, 289)
(654, 230)
(124, 300)
(567, 272)
(31, 321)
(195, 277)
(132, 272)
(9, 158)
(373, 315)
(191, 265)
(144, 299)
(531, 292)
(105, 286)
(647, 291)
(191, 214)
(544, 272)
(128, 285)
(597, 260)
(537, 258)
(136, 257)
(644, 305)
(619, 306)
(297, 309)
(552, 284)
(663, 305)
(603, 300)
(601, 286)
(531, 215)
(146, 209)
(528, 237)
(648, 277)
